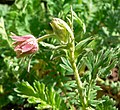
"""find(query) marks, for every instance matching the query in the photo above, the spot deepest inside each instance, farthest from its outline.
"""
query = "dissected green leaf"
(79, 21)
(39, 94)
(66, 65)
(107, 104)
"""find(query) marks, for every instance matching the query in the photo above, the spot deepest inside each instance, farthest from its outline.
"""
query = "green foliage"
(66, 65)
(108, 104)
(102, 63)
(82, 46)
(96, 28)
(44, 97)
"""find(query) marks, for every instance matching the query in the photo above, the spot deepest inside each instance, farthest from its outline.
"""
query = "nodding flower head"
(25, 45)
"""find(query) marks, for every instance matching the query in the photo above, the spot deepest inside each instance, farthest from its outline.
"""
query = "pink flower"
(25, 45)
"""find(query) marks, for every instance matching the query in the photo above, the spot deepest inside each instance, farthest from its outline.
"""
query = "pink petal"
(27, 48)
(22, 38)
(23, 48)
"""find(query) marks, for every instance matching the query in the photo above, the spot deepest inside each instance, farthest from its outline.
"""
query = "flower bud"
(61, 29)
(25, 45)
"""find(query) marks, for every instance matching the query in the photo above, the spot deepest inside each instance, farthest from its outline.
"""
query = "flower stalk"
(45, 37)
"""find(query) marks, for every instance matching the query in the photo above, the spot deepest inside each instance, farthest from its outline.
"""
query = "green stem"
(4, 33)
(89, 90)
(52, 47)
(76, 74)
(45, 37)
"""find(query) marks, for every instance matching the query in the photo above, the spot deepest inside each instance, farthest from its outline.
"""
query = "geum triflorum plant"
(77, 56)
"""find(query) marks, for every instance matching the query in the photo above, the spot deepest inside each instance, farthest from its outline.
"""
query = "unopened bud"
(61, 29)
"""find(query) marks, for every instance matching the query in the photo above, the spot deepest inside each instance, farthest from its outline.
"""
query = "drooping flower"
(25, 45)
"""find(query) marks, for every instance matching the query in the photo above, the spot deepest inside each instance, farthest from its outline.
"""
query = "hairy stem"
(76, 74)
(45, 37)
